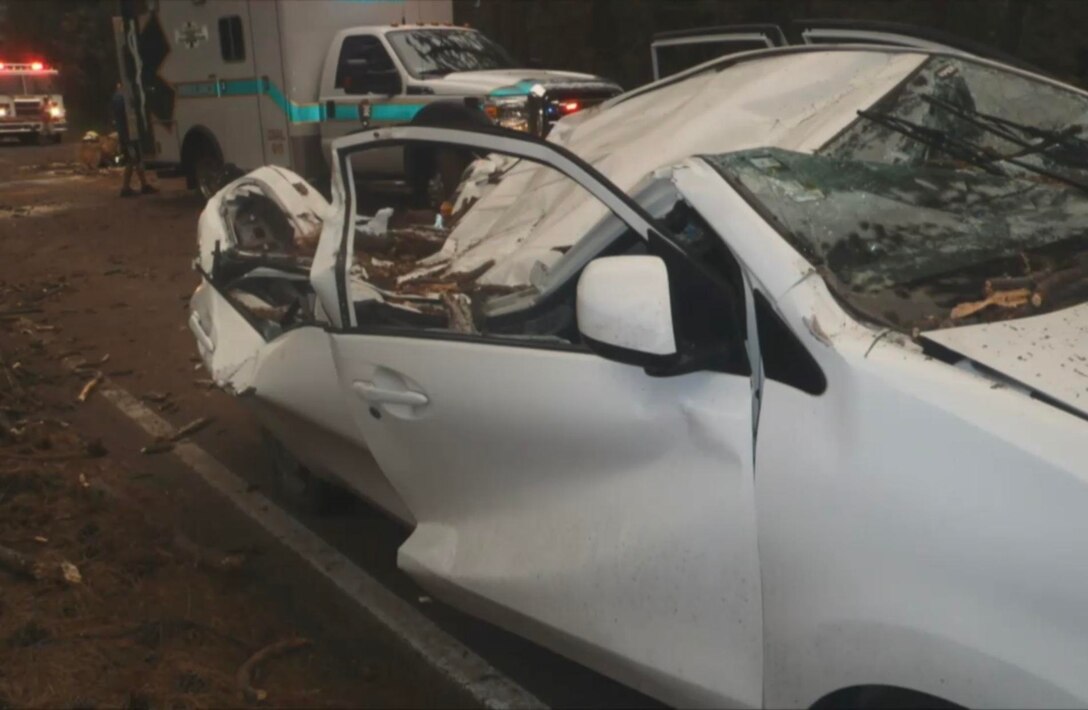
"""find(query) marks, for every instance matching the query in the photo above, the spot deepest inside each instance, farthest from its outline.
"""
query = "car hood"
(518, 82)
(1046, 353)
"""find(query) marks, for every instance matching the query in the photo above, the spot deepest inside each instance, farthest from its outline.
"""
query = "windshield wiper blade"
(980, 156)
(1005, 128)
(943, 141)
(434, 72)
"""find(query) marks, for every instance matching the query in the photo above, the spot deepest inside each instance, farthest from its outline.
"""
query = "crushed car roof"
(795, 100)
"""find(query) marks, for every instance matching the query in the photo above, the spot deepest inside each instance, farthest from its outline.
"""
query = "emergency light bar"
(32, 66)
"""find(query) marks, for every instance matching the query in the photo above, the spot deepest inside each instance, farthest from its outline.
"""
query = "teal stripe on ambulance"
(296, 113)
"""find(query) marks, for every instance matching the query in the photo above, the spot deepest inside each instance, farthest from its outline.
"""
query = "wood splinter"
(1003, 299)
(244, 677)
(90, 387)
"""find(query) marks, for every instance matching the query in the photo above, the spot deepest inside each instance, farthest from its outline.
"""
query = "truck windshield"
(437, 52)
(11, 84)
(41, 84)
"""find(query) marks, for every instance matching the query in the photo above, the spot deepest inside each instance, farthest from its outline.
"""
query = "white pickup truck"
(226, 86)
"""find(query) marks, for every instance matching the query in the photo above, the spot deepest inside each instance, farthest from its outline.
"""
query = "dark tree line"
(612, 37)
(608, 37)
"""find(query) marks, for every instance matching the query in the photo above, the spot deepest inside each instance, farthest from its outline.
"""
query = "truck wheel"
(301, 488)
(209, 172)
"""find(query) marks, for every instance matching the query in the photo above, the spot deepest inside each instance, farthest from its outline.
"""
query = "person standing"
(130, 148)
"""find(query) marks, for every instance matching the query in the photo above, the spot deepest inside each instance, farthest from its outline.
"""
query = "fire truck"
(31, 105)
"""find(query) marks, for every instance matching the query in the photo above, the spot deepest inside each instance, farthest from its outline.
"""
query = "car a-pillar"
(434, 171)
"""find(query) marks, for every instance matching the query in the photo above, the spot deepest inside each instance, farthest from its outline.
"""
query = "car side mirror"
(624, 310)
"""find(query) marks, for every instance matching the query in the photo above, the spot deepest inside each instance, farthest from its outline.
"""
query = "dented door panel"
(228, 343)
(297, 396)
(580, 502)
(575, 500)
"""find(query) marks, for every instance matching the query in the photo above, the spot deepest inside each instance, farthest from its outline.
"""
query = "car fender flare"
(863, 654)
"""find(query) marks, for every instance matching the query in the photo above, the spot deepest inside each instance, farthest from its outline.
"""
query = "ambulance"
(220, 87)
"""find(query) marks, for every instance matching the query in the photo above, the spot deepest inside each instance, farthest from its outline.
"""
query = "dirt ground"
(168, 605)
(106, 282)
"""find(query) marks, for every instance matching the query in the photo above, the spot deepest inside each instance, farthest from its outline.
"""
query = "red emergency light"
(36, 66)
(570, 106)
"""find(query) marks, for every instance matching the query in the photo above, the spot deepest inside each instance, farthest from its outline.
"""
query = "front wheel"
(302, 489)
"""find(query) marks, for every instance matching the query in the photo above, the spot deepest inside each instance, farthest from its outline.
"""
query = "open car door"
(578, 501)
(261, 333)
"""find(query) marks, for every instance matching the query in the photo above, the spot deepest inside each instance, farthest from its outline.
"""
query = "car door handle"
(372, 393)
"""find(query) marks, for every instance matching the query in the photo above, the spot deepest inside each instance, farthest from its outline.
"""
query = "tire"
(209, 172)
(305, 492)
(57, 138)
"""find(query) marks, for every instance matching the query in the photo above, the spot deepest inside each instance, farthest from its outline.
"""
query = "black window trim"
(232, 41)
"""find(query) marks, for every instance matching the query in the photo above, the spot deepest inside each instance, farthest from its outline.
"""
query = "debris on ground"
(191, 428)
(90, 387)
(157, 447)
(244, 676)
(102, 603)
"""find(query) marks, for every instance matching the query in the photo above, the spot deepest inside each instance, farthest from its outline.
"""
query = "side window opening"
(232, 45)
(706, 312)
(364, 66)
(400, 282)
(785, 358)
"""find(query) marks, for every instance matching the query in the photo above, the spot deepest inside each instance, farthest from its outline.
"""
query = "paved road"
(126, 264)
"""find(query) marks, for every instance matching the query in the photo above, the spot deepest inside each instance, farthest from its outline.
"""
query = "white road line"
(446, 654)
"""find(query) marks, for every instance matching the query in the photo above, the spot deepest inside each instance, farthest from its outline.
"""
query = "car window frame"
(527, 147)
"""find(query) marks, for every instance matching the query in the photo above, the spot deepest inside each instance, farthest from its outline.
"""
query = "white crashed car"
(763, 385)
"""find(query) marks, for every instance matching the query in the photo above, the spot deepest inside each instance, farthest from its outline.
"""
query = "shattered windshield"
(41, 84)
(12, 84)
(437, 52)
(961, 196)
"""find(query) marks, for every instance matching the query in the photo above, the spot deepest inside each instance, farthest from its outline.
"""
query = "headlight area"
(56, 111)
(3, 111)
(533, 114)
(510, 112)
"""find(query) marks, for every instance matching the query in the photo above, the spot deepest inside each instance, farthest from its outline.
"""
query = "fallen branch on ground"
(90, 386)
(203, 557)
(18, 312)
(33, 568)
(244, 677)
(190, 428)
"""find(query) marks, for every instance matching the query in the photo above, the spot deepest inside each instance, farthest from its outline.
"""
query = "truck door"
(364, 88)
(673, 52)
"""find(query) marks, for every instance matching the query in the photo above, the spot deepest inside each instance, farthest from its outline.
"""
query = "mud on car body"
(743, 388)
